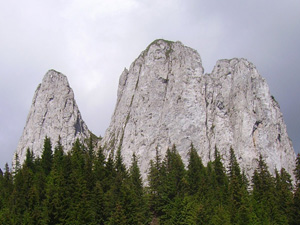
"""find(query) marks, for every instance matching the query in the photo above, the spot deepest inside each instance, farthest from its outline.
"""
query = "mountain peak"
(53, 113)
(165, 99)
(53, 78)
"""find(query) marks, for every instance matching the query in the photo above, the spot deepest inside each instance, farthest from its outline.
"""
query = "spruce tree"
(119, 165)
(118, 195)
(6, 189)
(55, 202)
(240, 208)
(263, 191)
(29, 159)
(17, 165)
(221, 181)
(136, 186)
(118, 217)
(196, 172)
(284, 196)
(47, 156)
(89, 161)
(174, 186)
(155, 184)
(80, 210)
(100, 183)
(24, 194)
(99, 165)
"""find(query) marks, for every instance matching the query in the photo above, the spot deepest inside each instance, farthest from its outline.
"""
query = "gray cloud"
(92, 41)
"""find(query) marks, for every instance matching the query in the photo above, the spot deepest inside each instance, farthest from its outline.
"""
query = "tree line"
(85, 187)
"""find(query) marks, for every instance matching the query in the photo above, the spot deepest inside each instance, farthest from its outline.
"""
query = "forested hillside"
(85, 187)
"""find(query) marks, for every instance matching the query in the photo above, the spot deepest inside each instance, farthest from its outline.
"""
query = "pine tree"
(238, 194)
(107, 185)
(284, 195)
(98, 203)
(221, 180)
(119, 165)
(215, 194)
(80, 210)
(99, 165)
(110, 173)
(100, 183)
(47, 156)
(175, 172)
(118, 217)
(29, 160)
(174, 186)
(136, 186)
(89, 161)
(119, 195)
(265, 206)
(155, 185)
(196, 172)
(55, 203)
(6, 189)
(17, 165)
(24, 195)
(190, 211)
(219, 169)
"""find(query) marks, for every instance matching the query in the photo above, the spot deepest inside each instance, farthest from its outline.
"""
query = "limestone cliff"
(53, 113)
(164, 99)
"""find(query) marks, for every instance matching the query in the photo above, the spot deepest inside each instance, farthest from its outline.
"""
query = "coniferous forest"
(85, 187)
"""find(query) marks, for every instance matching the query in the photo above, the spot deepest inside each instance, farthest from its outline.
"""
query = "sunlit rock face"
(53, 113)
(165, 98)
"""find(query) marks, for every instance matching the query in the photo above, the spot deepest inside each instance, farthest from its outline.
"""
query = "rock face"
(53, 113)
(165, 99)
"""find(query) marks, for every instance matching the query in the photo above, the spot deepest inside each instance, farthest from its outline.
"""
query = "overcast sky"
(91, 42)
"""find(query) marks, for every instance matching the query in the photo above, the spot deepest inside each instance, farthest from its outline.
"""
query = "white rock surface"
(165, 99)
(53, 113)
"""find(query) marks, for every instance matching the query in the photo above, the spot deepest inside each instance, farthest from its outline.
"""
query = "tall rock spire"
(165, 99)
(53, 113)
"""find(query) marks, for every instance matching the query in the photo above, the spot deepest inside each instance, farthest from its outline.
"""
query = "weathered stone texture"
(53, 113)
(165, 99)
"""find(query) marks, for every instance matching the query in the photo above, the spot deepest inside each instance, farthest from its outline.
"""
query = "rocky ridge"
(53, 113)
(165, 98)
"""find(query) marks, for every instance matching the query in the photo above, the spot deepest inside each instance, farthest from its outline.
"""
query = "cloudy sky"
(91, 42)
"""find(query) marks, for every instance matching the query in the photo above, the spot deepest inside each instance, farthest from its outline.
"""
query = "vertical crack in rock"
(206, 121)
(78, 126)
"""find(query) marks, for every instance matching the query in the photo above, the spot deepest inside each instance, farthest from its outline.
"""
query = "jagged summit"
(55, 78)
(53, 113)
(165, 98)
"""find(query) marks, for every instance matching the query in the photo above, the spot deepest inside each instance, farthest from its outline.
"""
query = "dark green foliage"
(265, 205)
(47, 156)
(296, 202)
(173, 186)
(83, 187)
(155, 185)
(136, 186)
(284, 196)
(219, 171)
(239, 206)
(29, 160)
(196, 172)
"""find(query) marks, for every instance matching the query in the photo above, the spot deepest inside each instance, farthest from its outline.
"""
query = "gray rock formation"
(53, 113)
(165, 99)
